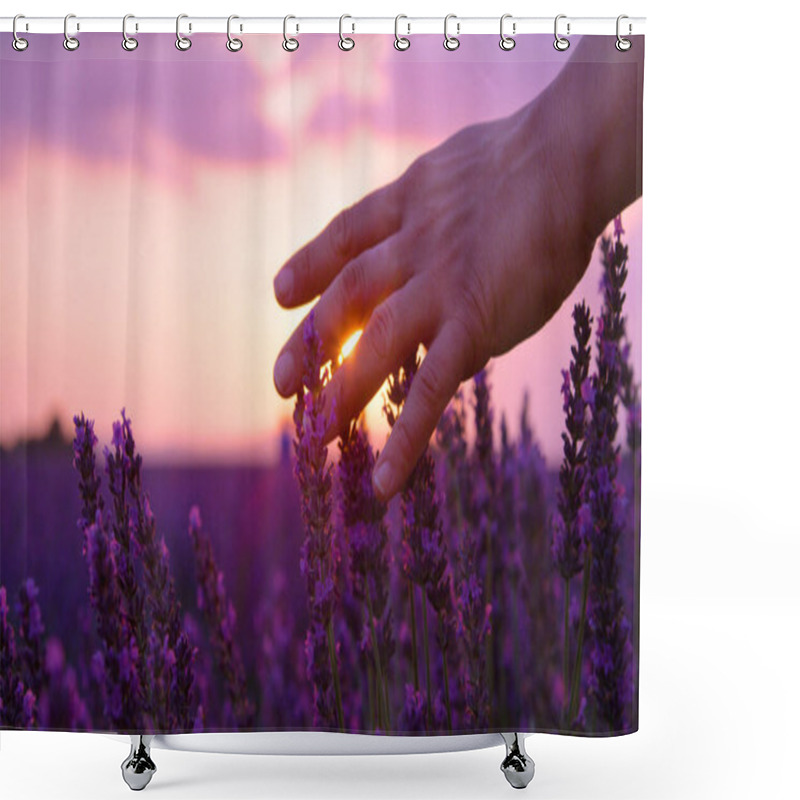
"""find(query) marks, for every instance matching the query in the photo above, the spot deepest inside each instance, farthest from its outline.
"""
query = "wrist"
(589, 121)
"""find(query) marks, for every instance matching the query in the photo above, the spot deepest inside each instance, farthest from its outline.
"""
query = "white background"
(720, 604)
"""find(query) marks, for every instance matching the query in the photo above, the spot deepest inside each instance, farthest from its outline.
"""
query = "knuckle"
(430, 384)
(474, 320)
(341, 233)
(302, 268)
(353, 282)
(381, 329)
(403, 443)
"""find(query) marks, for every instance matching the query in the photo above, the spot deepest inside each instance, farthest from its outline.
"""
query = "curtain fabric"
(321, 385)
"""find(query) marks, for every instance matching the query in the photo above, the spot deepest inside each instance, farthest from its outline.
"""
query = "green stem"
(446, 676)
(414, 657)
(427, 658)
(380, 692)
(335, 670)
(567, 686)
(371, 696)
(576, 675)
(488, 598)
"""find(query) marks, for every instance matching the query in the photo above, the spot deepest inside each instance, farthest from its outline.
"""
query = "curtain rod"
(567, 25)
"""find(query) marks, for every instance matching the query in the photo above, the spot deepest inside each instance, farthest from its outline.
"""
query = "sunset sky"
(148, 198)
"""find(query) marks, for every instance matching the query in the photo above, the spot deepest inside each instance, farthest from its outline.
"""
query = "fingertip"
(384, 480)
(284, 374)
(283, 285)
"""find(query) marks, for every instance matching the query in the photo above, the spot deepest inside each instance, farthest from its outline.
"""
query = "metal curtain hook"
(507, 42)
(289, 43)
(234, 45)
(451, 42)
(623, 44)
(345, 42)
(18, 43)
(70, 42)
(182, 42)
(400, 42)
(560, 43)
(128, 42)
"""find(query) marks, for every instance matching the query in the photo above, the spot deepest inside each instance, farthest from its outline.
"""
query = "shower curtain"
(321, 384)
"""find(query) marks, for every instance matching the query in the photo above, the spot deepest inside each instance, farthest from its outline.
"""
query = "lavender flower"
(451, 439)
(473, 628)
(170, 657)
(320, 556)
(122, 462)
(567, 544)
(610, 653)
(116, 663)
(367, 537)
(17, 701)
(415, 711)
(220, 617)
(568, 537)
(61, 706)
(485, 497)
(31, 630)
(538, 620)
(88, 480)
(629, 394)
(423, 545)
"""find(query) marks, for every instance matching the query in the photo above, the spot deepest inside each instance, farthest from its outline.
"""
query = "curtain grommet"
(290, 44)
(622, 44)
(507, 42)
(70, 42)
(560, 43)
(401, 43)
(17, 42)
(129, 43)
(233, 44)
(182, 42)
(451, 43)
(346, 43)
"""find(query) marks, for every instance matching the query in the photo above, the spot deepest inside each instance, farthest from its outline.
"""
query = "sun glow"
(348, 346)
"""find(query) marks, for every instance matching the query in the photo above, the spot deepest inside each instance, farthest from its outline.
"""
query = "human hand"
(469, 252)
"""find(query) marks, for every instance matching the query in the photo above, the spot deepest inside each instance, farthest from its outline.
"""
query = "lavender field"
(498, 592)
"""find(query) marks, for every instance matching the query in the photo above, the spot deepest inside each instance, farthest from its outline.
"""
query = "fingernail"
(283, 283)
(284, 372)
(382, 479)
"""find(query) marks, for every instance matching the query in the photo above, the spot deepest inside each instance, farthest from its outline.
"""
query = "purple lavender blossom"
(116, 663)
(610, 655)
(423, 544)
(536, 612)
(220, 616)
(88, 480)
(568, 540)
(61, 706)
(473, 628)
(451, 440)
(125, 552)
(629, 394)
(31, 631)
(170, 657)
(415, 711)
(320, 556)
(122, 462)
(17, 701)
(567, 544)
(367, 537)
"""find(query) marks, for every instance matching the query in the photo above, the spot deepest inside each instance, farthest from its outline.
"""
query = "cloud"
(102, 103)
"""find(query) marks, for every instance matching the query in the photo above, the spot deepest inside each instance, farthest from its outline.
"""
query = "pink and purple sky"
(148, 198)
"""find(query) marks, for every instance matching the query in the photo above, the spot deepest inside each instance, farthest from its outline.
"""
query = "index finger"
(355, 229)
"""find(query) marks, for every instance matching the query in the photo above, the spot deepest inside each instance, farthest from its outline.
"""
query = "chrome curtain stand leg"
(517, 766)
(138, 768)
